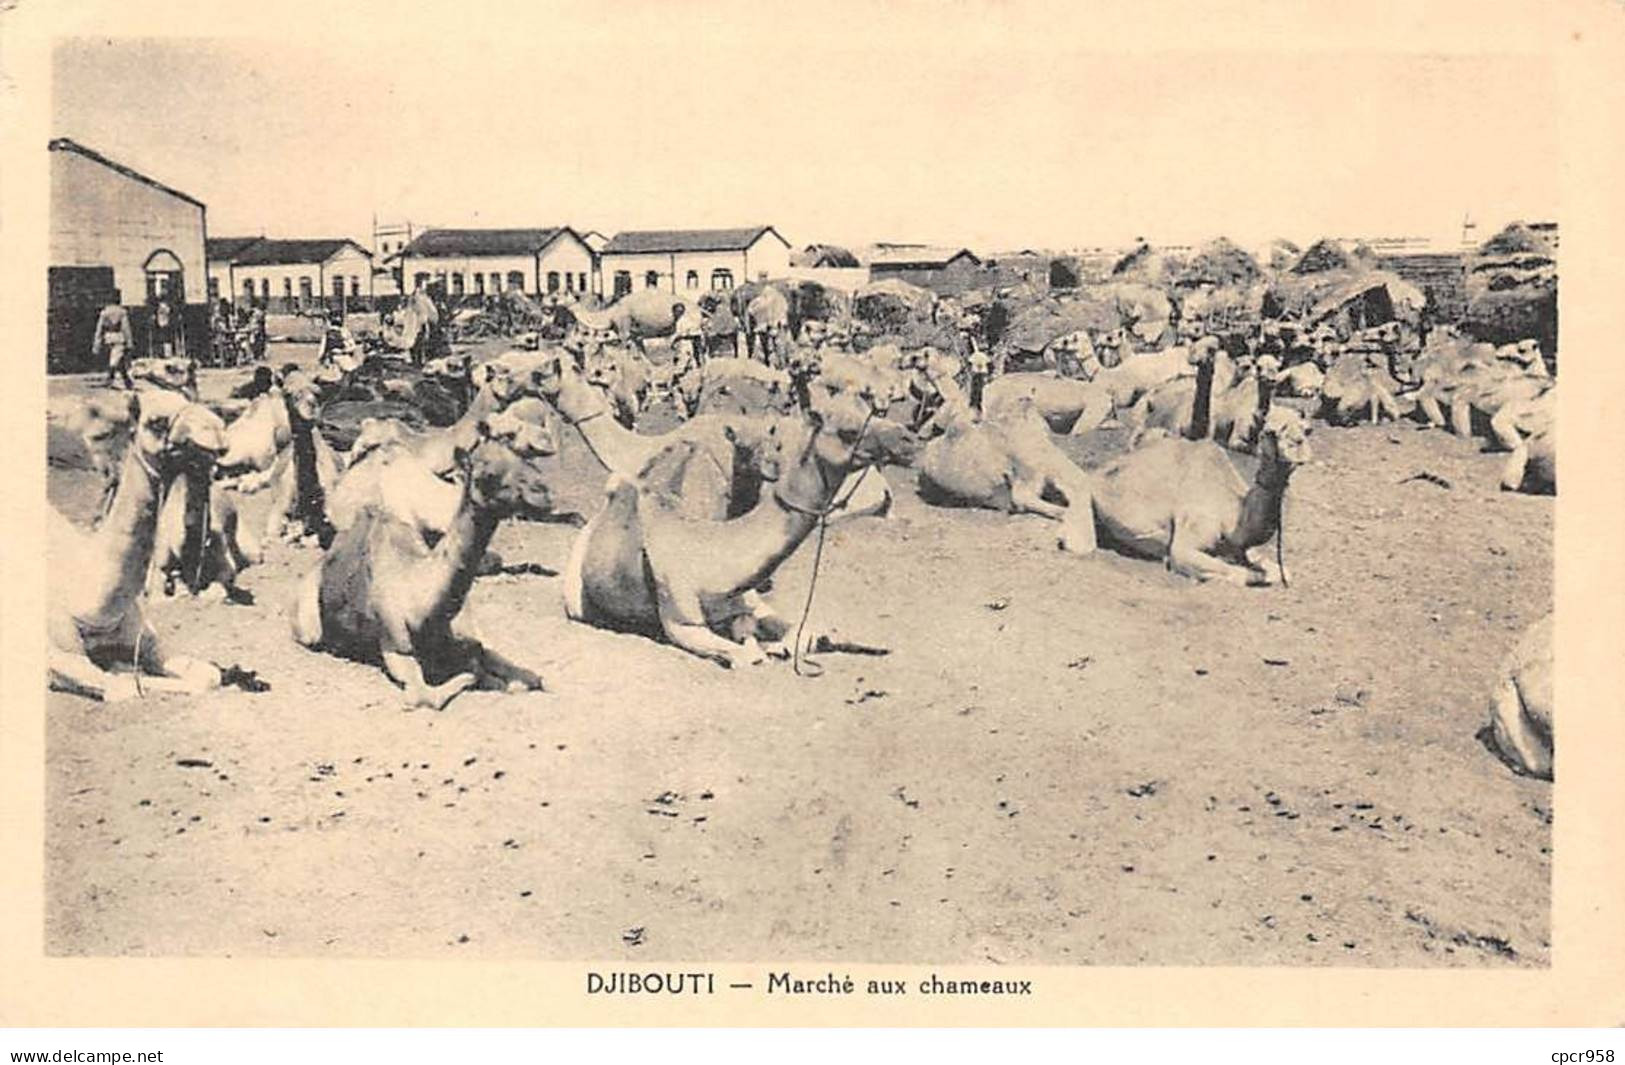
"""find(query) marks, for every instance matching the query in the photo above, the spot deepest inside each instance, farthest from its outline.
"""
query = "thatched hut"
(1338, 284)
(1512, 289)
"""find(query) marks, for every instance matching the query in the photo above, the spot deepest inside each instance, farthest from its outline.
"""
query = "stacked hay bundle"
(1512, 289)
(1340, 285)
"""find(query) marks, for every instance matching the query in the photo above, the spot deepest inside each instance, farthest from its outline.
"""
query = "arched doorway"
(165, 277)
(166, 303)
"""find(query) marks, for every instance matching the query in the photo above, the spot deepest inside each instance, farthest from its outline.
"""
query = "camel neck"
(454, 561)
(126, 534)
(617, 448)
(1202, 406)
(1261, 508)
(758, 541)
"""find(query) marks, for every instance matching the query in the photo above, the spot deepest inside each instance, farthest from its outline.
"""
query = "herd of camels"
(775, 441)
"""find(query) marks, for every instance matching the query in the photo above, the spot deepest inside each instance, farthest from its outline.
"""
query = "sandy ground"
(1063, 761)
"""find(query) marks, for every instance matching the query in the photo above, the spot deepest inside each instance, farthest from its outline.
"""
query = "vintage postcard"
(890, 513)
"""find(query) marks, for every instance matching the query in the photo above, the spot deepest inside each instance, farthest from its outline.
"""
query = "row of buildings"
(461, 263)
(118, 235)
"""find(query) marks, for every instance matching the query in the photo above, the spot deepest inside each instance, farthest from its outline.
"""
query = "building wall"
(953, 278)
(564, 257)
(1443, 277)
(844, 278)
(100, 217)
(349, 264)
(768, 257)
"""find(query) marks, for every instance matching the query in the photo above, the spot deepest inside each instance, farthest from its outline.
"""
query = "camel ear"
(480, 374)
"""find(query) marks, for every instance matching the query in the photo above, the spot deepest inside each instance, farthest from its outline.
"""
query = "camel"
(1233, 420)
(1304, 380)
(1005, 462)
(305, 475)
(767, 325)
(1528, 429)
(1468, 376)
(201, 539)
(729, 384)
(94, 622)
(646, 314)
(1133, 375)
(381, 595)
(256, 439)
(639, 566)
(624, 376)
(176, 375)
(1359, 385)
(414, 327)
(103, 422)
(818, 335)
(1521, 707)
(1181, 500)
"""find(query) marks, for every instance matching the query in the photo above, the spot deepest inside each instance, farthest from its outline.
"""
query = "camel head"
(375, 433)
(172, 432)
(853, 432)
(518, 373)
(760, 444)
(499, 466)
(1114, 347)
(602, 371)
(453, 367)
(304, 390)
(1284, 439)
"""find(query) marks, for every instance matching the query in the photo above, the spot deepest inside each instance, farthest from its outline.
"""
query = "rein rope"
(818, 549)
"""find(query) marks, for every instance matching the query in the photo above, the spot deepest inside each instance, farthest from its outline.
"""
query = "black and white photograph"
(798, 490)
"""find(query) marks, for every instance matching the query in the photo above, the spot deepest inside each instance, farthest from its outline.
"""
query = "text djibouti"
(657, 982)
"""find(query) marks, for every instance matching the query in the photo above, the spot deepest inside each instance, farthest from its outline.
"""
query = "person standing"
(113, 340)
(163, 330)
(256, 331)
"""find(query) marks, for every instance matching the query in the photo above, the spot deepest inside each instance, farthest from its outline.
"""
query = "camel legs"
(76, 673)
(1078, 524)
(307, 609)
(173, 673)
(1268, 569)
(1514, 736)
(1461, 417)
(869, 497)
(1504, 425)
(493, 671)
(1025, 496)
(1186, 557)
(677, 607)
(405, 671)
(1093, 416)
(1517, 463)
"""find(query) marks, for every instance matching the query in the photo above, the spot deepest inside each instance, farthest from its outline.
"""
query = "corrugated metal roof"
(645, 241)
(227, 248)
(66, 144)
(442, 243)
(268, 252)
(919, 258)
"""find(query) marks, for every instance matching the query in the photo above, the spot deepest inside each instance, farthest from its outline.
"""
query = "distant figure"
(262, 382)
(256, 332)
(163, 331)
(220, 334)
(337, 343)
(113, 340)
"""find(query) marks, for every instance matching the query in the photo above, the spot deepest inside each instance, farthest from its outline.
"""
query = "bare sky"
(995, 135)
